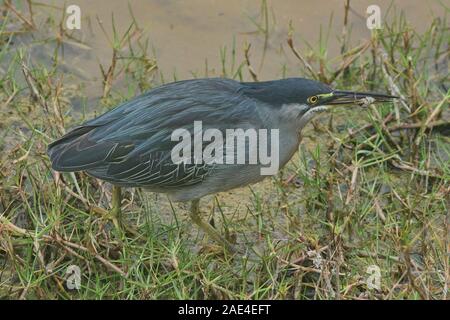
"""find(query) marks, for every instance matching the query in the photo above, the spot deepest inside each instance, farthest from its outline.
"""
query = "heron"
(132, 145)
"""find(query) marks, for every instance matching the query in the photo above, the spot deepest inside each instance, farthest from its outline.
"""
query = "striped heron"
(131, 145)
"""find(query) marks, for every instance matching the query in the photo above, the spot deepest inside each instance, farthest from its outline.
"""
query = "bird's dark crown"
(285, 91)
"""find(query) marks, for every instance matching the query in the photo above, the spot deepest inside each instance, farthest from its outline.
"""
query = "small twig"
(5, 225)
(19, 15)
(352, 185)
(347, 62)
(247, 61)
(404, 166)
(394, 88)
(379, 211)
(95, 255)
(300, 57)
(405, 126)
(411, 278)
(430, 119)
(376, 255)
(10, 98)
(34, 91)
(108, 76)
(344, 28)
(30, 9)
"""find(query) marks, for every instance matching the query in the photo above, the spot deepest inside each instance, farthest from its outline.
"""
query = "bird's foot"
(115, 216)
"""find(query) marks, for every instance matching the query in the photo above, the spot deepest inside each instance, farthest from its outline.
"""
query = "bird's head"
(318, 101)
(301, 99)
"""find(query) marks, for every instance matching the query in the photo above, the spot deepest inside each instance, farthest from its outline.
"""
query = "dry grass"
(368, 188)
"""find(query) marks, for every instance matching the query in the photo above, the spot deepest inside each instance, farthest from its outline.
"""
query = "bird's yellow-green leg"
(116, 213)
(116, 210)
(207, 228)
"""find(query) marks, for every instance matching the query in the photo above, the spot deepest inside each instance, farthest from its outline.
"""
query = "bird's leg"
(116, 213)
(206, 227)
(116, 210)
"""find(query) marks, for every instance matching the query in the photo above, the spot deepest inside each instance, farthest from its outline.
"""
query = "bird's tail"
(68, 153)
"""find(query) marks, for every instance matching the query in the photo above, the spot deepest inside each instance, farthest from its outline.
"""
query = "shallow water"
(185, 34)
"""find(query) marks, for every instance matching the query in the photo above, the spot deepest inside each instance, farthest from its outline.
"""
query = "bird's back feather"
(130, 145)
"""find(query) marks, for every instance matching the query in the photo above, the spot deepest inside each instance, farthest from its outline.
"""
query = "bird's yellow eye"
(313, 99)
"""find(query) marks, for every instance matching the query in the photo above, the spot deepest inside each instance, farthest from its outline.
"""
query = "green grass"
(368, 187)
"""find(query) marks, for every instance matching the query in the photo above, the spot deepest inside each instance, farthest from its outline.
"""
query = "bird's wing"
(131, 145)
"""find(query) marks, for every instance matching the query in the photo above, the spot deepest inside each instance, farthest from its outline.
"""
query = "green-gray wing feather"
(130, 145)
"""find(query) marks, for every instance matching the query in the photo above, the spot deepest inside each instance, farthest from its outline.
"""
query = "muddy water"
(185, 34)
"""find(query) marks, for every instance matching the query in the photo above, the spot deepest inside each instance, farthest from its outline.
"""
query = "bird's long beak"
(338, 97)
